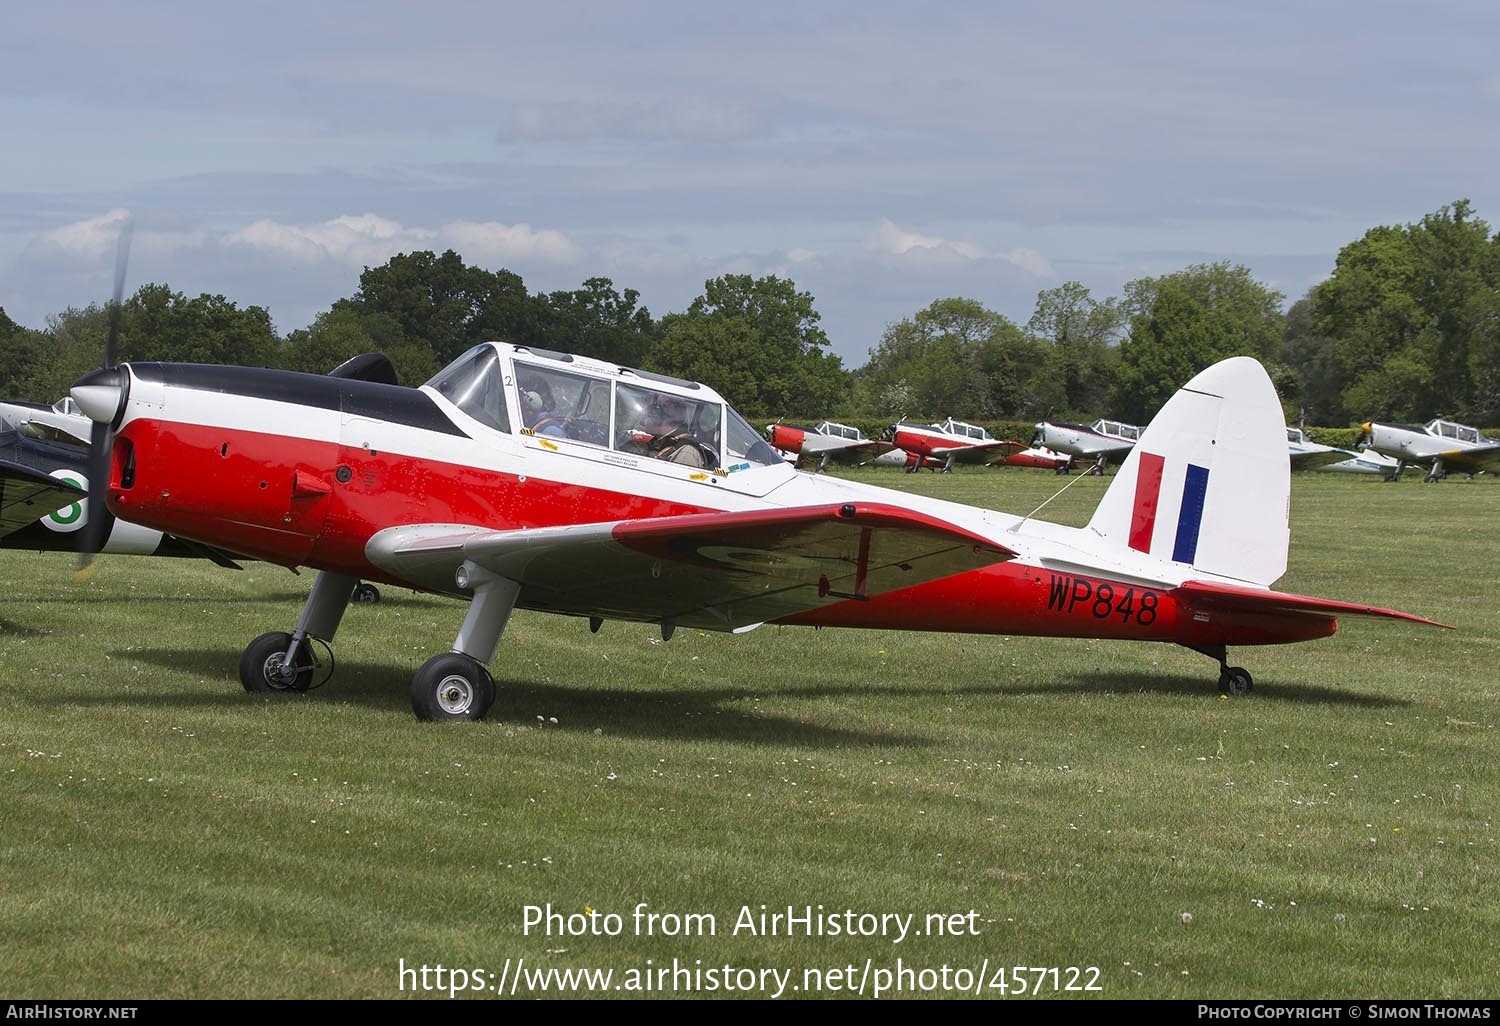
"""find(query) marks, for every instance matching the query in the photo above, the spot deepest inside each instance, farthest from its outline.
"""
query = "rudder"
(1209, 482)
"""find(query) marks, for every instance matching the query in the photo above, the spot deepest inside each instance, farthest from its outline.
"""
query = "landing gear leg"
(455, 685)
(284, 662)
(1233, 680)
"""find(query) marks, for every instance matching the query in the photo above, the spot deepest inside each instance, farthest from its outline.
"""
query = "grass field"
(165, 835)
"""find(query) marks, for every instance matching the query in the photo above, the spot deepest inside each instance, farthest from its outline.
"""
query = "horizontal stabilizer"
(1210, 596)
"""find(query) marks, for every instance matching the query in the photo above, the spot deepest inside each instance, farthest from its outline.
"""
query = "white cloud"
(490, 242)
(369, 240)
(363, 240)
(890, 240)
(86, 241)
(887, 238)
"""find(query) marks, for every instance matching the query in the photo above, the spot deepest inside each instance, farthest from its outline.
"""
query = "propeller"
(96, 530)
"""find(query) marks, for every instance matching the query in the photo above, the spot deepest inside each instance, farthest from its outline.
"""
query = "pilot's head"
(665, 412)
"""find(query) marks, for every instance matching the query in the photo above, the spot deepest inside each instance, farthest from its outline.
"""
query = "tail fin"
(1209, 482)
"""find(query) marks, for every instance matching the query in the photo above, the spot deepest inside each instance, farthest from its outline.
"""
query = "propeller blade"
(96, 529)
(122, 258)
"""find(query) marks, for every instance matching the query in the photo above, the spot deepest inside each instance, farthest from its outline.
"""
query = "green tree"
(1409, 309)
(159, 324)
(1311, 357)
(447, 306)
(954, 358)
(757, 341)
(24, 356)
(1169, 342)
(1181, 323)
(1081, 335)
(598, 321)
(344, 332)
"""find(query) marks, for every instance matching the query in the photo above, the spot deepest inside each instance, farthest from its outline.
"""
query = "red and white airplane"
(816, 447)
(647, 498)
(949, 443)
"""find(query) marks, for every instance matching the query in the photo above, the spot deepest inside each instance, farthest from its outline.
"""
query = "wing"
(1315, 458)
(820, 450)
(27, 495)
(1472, 461)
(984, 452)
(717, 571)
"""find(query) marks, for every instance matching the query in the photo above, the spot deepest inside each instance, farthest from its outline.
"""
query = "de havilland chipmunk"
(949, 443)
(815, 448)
(523, 478)
(1101, 441)
(1440, 446)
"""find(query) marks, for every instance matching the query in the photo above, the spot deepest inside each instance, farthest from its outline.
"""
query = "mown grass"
(163, 834)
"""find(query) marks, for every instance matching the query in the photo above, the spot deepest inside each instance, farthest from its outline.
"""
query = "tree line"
(1407, 326)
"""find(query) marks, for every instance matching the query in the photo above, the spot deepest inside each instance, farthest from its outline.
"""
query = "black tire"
(452, 687)
(1236, 680)
(364, 592)
(261, 665)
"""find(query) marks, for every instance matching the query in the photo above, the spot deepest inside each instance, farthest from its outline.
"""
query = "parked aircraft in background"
(63, 421)
(1102, 441)
(444, 489)
(1366, 461)
(816, 447)
(1440, 446)
(1037, 456)
(1309, 455)
(949, 443)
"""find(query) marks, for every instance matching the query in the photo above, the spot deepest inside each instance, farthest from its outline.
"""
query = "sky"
(881, 155)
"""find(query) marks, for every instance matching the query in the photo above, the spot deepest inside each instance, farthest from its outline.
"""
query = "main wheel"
(263, 665)
(364, 592)
(1236, 680)
(452, 687)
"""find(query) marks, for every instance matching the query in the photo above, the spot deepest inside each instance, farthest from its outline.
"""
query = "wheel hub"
(277, 672)
(455, 694)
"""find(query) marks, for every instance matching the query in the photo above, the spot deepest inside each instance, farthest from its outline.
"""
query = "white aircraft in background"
(1100, 441)
(1366, 461)
(1441, 446)
(1309, 455)
(63, 421)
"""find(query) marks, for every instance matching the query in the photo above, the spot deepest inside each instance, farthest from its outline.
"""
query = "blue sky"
(880, 155)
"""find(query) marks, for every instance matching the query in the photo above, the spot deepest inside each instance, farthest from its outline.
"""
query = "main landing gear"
(451, 686)
(1233, 680)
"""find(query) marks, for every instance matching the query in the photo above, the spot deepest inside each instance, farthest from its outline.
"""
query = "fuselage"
(304, 470)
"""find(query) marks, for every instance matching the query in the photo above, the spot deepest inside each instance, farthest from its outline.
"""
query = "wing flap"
(717, 571)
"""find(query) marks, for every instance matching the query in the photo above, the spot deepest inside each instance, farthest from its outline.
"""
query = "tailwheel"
(452, 687)
(264, 667)
(364, 592)
(1235, 680)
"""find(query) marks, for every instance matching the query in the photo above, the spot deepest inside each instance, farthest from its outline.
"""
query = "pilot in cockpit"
(663, 430)
(537, 411)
